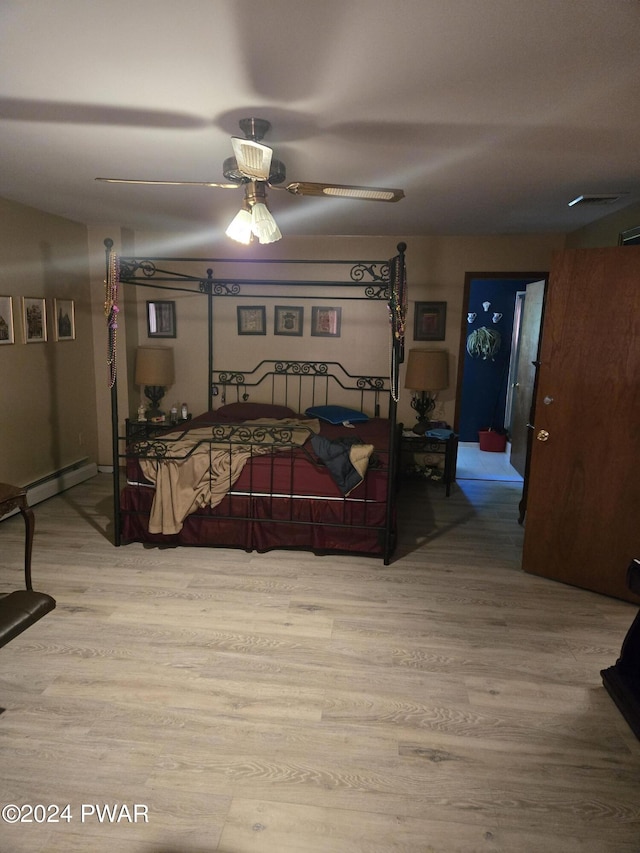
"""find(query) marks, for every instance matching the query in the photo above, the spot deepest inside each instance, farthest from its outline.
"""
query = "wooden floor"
(286, 703)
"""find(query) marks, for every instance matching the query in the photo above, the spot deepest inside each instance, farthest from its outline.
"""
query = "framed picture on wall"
(6, 320)
(64, 320)
(325, 322)
(430, 321)
(252, 320)
(161, 319)
(34, 319)
(288, 320)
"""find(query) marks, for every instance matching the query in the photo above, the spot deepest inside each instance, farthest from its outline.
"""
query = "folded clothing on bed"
(346, 459)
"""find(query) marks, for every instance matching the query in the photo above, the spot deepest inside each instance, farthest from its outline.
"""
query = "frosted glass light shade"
(263, 224)
(240, 227)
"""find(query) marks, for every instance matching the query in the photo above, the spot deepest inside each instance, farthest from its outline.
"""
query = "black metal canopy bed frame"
(288, 453)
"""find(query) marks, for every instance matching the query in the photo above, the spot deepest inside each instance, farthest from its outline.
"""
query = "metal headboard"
(300, 384)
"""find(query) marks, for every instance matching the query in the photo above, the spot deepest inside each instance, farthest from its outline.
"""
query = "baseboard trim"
(58, 481)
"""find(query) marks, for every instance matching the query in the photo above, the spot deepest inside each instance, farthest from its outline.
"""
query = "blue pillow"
(336, 414)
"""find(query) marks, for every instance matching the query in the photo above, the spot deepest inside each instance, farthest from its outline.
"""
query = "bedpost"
(207, 287)
(397, 313)
(111, 315)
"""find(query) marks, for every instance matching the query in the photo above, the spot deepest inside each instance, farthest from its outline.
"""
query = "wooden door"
(583, 508)
(526, 373)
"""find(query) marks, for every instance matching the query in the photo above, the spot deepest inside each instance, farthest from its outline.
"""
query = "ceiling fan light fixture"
(255, 169)
(263, 224)
(240, 227)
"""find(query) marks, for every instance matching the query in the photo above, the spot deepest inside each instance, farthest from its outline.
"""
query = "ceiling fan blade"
(169, 183)
(253, 158)
(344, 191)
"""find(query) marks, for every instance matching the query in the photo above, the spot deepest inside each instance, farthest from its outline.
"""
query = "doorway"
(483, 400)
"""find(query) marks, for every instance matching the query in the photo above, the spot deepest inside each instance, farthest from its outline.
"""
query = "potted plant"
(484, 343)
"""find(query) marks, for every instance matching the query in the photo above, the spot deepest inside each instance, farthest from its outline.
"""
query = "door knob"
(543, 435)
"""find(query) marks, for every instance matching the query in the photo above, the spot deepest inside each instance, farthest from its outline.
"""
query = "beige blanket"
(200, 471)
(359, 455)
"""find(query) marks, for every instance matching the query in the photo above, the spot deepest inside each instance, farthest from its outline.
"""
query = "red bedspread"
(288, 499)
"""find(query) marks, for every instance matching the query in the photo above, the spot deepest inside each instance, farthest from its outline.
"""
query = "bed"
(287, 454)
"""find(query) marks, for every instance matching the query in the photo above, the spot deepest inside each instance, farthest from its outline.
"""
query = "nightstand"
(440, 442)
(136, 430)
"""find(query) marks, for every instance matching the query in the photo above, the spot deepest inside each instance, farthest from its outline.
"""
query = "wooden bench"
(23, 607)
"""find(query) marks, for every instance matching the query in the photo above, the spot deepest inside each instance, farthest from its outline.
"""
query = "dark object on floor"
(622, 680)
(23, 607)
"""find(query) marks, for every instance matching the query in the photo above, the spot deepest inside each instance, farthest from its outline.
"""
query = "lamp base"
(155, 393)
(423, 405)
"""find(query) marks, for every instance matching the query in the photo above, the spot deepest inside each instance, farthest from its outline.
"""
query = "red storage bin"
(494, 442)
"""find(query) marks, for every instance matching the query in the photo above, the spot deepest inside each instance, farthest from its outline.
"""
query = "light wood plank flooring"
(286, 703)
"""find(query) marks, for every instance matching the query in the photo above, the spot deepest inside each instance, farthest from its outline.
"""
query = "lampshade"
(254, 217)
(154, 366)
(263, 224)
(240, 227)
(427, 370)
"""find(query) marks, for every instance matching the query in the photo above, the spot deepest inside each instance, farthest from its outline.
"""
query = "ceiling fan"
(254, 168)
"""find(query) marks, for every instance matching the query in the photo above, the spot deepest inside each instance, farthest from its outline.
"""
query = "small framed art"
(161, 319)
(288, 320)
(6, 320)
(325, 322)
(65, 320)
(252, 320)
(430, 321)
(34, 319)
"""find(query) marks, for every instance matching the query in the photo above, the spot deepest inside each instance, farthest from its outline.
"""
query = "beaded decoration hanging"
(111, 313)
(397, 318)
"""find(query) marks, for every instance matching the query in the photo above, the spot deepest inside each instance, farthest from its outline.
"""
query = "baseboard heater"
(59, 481)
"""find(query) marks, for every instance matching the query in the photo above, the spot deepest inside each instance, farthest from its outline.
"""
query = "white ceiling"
(491, 114)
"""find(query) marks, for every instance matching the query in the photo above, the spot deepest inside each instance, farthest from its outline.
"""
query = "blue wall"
(484, 383)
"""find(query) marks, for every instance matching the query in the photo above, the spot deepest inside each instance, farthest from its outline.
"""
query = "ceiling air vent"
(596, 198)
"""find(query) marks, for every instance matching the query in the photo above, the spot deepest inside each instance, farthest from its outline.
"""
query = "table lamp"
(427, 373)
(154, 371)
